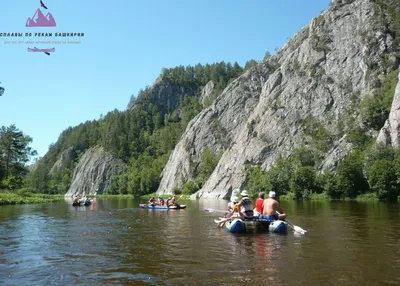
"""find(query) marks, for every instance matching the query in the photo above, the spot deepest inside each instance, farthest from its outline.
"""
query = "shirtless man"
(271, 207)
(172, 200)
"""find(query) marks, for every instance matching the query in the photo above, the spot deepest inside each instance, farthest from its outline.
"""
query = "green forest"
(143, 135)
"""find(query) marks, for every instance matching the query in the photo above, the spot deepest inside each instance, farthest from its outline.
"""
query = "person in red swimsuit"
(259, 204)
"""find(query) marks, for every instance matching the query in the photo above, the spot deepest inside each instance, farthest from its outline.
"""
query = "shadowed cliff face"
(337, 59)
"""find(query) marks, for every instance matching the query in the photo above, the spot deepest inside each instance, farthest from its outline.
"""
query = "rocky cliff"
(65, 160)
(165, 94)
(390, 133)
(93, 173)
(335, 61)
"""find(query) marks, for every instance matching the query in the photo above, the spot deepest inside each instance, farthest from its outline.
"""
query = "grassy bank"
(9, 198)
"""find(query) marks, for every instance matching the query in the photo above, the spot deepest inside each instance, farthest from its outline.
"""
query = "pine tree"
(1, 90)
(14, 153)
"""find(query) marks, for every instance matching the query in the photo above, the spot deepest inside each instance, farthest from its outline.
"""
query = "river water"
(113, 242)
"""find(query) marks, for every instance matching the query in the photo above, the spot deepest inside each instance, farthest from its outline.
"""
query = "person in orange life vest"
(230, 206)
(236, 212)
(258, 210)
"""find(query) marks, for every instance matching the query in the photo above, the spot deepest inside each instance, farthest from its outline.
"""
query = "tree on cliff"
(14, 154)
(1, 90)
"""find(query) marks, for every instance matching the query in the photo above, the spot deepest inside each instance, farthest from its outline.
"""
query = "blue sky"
(126, 44)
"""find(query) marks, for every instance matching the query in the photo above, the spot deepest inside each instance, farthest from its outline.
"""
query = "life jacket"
(259, 205)
(236, 210)
(247, 205)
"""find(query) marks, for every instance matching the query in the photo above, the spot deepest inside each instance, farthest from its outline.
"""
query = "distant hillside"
(304, 122)
(141, 136)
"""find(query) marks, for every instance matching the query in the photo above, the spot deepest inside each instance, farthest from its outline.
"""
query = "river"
(113, 242)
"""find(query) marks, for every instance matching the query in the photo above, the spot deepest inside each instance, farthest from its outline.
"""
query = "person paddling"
(77, 199)
(173, 201)
(271, 207)
(152, 201)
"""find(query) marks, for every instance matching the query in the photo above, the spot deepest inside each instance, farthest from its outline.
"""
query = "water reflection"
(115, 242)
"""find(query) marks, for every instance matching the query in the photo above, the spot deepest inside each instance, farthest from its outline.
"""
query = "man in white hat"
(271, 208)
(246, 205)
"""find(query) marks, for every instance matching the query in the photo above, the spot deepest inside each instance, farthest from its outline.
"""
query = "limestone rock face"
(390, 132)
(260, 115)
(65, 160)
(94, 172)
(206, 91)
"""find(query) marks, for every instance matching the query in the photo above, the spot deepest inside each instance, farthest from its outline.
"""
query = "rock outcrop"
(165, 94)
(390, 133)
(207, 91)
(260, 115)
(94, 172)
(66, 159)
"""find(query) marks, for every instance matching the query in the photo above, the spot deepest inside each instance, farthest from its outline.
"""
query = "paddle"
(294, 227)
(176, 201)
(212, 210)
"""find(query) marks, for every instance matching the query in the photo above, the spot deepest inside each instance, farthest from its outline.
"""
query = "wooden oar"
(294, 227)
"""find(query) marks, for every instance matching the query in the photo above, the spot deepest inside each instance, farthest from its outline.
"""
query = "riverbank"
(11, 198)
(325, 197)
(22, 197)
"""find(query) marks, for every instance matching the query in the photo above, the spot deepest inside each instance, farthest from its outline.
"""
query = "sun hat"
(272, 194)
(235, 191)
(234, 199)
(244, 193)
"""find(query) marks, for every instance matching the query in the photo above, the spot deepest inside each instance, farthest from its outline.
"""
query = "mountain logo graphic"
(40, 20)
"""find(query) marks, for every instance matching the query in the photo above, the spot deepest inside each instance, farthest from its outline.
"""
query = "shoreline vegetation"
(23, 197)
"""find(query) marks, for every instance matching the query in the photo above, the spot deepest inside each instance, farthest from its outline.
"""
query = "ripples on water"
(114, 242)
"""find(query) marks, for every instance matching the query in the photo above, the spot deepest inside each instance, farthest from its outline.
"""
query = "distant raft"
(157, 207)
(85, 203)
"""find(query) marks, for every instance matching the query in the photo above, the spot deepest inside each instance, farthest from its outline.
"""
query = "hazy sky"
(126, 43)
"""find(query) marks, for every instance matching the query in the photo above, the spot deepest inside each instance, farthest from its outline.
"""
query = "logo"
(34, 39)
(39, 20)
(46, 51)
